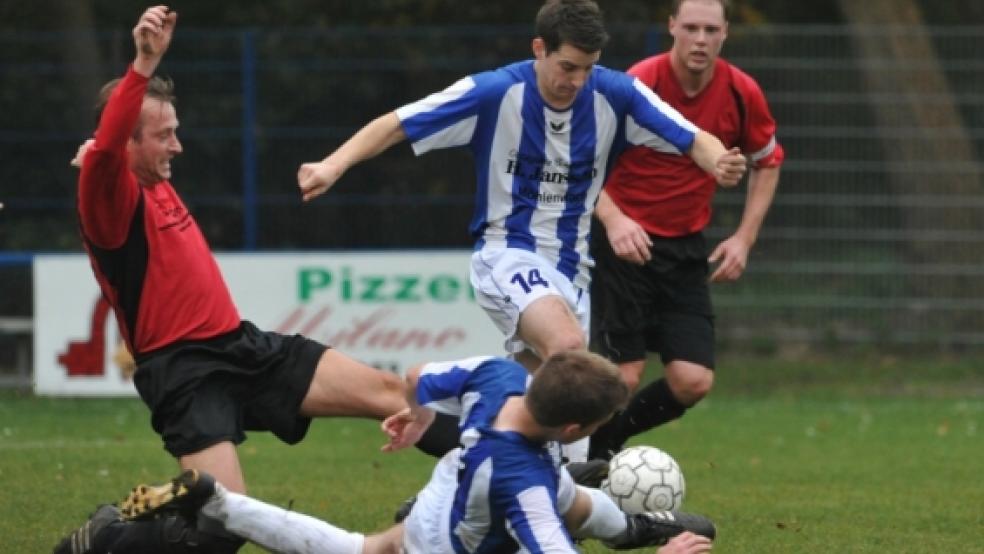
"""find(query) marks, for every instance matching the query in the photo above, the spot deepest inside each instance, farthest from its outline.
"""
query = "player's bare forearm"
(406, 427)
(628, 239)
(727, 166)
(762, 185)
(316, 178)
(606, 208)
(706, 150)
(370, 141)
(732, 254)
(152, 36)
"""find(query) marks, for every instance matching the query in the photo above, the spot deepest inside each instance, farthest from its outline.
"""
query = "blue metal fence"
(860, 247)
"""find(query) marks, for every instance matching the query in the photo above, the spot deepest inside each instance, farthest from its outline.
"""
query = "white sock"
(606, 520)
(576, 451)
(279, 530)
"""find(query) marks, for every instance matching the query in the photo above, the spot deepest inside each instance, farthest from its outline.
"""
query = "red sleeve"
(108, 190)
(760, 143)
(645, 71)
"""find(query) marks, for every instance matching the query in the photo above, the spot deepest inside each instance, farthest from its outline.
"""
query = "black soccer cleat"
(657, 528)
(95, 535)
(404, 510)
(186, 493)
(590, 473)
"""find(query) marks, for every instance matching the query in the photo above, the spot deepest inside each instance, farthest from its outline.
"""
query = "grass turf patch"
(785, 457)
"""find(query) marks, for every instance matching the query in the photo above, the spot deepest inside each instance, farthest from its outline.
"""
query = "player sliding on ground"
(502, 491)
(207, 375)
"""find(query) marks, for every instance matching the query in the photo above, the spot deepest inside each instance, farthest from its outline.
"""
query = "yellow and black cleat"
(185, 493)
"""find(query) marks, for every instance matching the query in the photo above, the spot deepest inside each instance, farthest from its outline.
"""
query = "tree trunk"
(929, 107)
(917, 77)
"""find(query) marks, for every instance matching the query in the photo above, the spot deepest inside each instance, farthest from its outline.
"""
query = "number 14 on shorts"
(532, 279)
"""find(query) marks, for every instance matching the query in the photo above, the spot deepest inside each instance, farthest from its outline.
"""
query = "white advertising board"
(388, 309)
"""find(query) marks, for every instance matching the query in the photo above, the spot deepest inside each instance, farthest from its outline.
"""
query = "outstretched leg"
(277, 529)
(196, 494)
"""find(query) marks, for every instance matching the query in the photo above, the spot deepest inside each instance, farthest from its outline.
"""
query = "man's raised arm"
(315, 178)
(152, 36)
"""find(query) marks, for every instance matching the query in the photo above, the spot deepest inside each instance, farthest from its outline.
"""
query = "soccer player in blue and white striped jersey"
(544, 133)
(503, 491)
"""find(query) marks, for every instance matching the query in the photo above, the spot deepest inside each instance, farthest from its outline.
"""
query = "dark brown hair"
(575, 22)
(575, 386)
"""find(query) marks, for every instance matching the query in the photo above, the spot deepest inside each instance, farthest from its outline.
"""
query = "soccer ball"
(644, 479)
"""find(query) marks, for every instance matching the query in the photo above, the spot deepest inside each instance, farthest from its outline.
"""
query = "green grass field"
(866, 456)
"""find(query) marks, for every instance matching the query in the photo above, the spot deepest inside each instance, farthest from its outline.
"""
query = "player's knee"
(694, 386)
(632, 380)
(632, 373)
(564, 341)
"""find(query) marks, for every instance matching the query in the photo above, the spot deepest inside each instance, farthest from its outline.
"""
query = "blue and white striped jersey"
(507, 496)
(540, 170)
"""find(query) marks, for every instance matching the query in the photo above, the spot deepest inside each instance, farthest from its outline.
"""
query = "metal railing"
(871, 240)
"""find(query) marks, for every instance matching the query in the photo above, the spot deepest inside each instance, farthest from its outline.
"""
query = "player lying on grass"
(502, 491)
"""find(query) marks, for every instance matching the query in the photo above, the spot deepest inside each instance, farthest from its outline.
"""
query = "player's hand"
(733, 256)
(80, 155)
(730, 168)
(628, 239)
(317, 177)
(405, 428)
(687, 543)
(153, 32)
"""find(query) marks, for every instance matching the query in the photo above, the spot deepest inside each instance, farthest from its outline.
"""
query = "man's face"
(561, 73)
(156, 143)
(698, 30)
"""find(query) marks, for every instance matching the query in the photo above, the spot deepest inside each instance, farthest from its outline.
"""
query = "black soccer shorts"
(201, 393)
(663, 306)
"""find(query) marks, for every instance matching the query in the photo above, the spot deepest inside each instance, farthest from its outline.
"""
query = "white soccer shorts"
(508, 280)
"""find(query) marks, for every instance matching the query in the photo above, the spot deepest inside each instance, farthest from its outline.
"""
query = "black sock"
(607, 440)
(441, 437)
(651, 407)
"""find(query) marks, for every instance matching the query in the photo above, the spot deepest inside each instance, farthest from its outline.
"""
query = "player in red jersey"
(651, 278)
(206, 375)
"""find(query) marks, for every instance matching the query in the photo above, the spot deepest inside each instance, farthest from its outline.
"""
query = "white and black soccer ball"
(644, 479)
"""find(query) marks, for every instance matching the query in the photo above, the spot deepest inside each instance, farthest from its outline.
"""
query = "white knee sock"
(606, 521)
(576, 451)
(279, 530)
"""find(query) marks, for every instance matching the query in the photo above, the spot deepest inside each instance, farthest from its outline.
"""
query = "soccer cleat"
(604, 452)
(657, 528)
(590, 473)
(95, 535)
(185, 493)
(404, 510)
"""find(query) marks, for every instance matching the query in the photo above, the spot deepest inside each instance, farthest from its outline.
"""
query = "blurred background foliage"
(874, 236)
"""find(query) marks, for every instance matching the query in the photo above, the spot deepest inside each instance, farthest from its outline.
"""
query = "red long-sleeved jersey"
(148, 254)
(669, 195)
